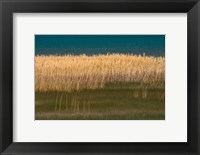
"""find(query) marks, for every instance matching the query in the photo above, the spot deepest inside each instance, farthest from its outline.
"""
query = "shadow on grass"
(114, 102)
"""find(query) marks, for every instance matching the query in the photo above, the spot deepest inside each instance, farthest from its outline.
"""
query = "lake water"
(151, 45)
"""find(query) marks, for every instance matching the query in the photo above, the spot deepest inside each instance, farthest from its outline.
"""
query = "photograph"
(99, 77)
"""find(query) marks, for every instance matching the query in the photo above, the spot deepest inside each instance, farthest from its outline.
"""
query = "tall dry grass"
(69, 72)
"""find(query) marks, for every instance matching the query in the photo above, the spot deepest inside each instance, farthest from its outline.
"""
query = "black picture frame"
(8, 7)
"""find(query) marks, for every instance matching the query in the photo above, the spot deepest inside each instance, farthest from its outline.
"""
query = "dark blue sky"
(100, 44)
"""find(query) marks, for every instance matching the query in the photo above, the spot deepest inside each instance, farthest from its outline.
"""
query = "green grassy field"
(113, 102)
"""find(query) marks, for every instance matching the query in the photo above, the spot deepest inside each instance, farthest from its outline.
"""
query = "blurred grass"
(113, 102)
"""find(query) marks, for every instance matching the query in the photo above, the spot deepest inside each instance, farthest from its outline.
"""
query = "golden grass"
(69, 72)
